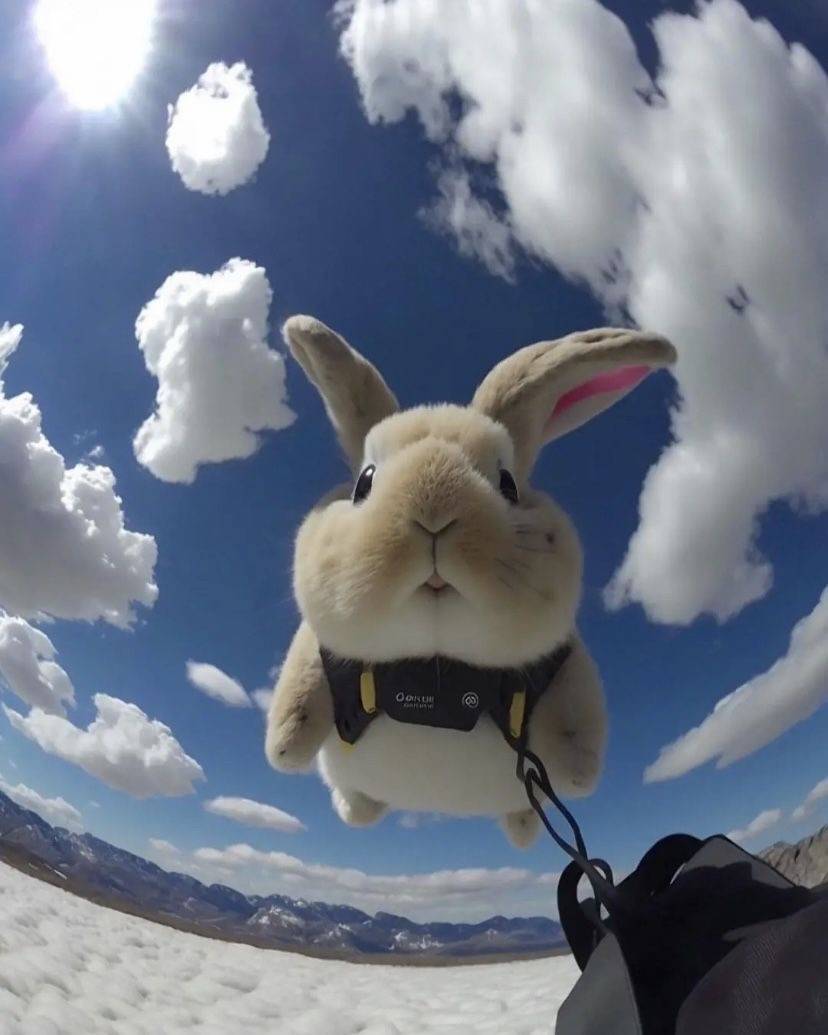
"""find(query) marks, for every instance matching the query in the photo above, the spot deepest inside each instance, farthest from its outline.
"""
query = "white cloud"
(758, 825)
(473, 890)
(122, 747)
(254, 814)
(28, 668)
(812, 799)
(219, 385)
(760, 710)
(10, 336)
(417, 820)
(160, 845)
(473, 223)
(470, 894)
(216, 138)
(64, 550)
(217, 684)
(56, 811)
(262, 698)
(166, 851)
(662, 197)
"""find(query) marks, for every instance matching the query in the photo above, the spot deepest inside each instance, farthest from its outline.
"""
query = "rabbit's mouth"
(436, 584)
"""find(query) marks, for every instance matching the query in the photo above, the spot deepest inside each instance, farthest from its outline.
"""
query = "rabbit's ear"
(354, 393)
(548, 389)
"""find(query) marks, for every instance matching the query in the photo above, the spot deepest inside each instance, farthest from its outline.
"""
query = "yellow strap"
(368, 691)
(517, 711)
(367, 696)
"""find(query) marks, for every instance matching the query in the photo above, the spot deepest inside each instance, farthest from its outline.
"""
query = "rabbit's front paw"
(293, 741)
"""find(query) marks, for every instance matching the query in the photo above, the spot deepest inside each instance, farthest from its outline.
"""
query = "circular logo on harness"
(471, 700)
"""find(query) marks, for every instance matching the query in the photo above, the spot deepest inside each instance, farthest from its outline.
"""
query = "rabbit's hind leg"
(357, 809)
(521, 827)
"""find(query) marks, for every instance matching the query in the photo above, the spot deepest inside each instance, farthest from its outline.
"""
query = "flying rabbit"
(438, 589)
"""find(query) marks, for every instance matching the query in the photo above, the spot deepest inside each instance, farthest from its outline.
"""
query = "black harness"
(438, 691)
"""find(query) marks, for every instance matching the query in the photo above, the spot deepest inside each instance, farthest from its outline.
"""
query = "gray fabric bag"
(701, 939)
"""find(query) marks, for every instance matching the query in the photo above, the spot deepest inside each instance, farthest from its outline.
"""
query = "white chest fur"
(421, 768)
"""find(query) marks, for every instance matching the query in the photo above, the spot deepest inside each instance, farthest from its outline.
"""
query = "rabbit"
(444, 548)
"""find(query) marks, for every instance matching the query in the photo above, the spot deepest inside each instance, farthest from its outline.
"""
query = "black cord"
(537, 777)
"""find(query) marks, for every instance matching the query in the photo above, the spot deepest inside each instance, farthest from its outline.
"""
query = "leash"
(597, 871)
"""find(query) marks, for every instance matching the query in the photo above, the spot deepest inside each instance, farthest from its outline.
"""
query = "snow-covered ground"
(68, 966)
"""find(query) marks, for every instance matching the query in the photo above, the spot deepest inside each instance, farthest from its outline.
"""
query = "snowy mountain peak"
(95, 868)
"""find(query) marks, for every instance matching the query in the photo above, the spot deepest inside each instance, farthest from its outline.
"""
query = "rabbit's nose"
(441, 528)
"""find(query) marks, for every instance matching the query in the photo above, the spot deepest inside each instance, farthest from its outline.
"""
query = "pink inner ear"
(614, 381)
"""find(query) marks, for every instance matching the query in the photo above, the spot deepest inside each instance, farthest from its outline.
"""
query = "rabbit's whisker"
(506, 582)
(522, 579)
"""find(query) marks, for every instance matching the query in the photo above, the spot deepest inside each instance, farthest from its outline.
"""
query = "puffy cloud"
(166, 854)
(662, 197)
(760, 710)
(160, 845)
(758, 825)
(64, 550)
(812, 799)
(28, 668)
(417, 820)
(409, 820)
(442, 887)
(548, 99)
(254, 814)
(122, 747)
(216, 138)
(56, 811)
(219, 385)
(217, 684)
(10, 337)
(263, 698)
(473, 223)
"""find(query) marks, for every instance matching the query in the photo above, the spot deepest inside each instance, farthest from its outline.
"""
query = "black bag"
(701, 939)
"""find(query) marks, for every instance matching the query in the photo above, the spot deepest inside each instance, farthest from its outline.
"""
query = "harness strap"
(517, 713)
(438, 691)
(368, 691)
(509, 695)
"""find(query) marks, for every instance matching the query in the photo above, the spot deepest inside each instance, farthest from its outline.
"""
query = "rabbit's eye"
(362, 489)
(508, 487)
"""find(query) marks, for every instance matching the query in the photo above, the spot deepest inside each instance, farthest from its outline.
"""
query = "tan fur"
(354, 393)
(358, 569)
(301, 711)
(569, 727)
(521, 390)
(521, 827)
(514, 575)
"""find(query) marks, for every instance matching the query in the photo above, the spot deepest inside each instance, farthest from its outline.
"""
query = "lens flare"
(96, 48)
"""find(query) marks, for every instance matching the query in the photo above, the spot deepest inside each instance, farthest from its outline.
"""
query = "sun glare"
(95, 48)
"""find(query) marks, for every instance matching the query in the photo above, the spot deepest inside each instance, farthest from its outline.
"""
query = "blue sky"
(94, 219)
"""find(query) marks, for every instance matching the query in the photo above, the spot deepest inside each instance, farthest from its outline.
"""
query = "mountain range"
(805, 862)
(99, 871)
(103, 873)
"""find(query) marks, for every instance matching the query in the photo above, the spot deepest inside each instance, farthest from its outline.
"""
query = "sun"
(96, 48)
